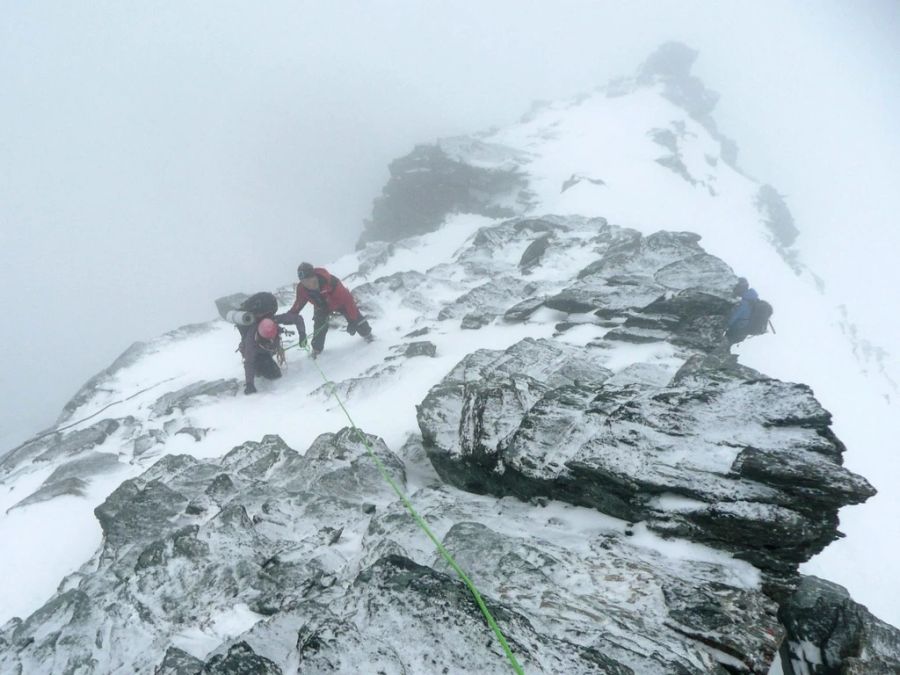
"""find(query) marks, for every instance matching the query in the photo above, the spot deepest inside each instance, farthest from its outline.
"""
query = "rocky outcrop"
(451, 176)
(723, 456)
(71, 478)
(187, 397)
(670, 65)
(311, 562)
(59, 445)
(829, 633)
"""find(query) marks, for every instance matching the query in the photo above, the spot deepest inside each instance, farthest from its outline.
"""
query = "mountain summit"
(547, 386)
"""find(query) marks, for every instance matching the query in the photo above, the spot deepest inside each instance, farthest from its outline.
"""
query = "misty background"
(157, 155)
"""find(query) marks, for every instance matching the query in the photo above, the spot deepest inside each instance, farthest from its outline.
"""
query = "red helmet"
(267, 329)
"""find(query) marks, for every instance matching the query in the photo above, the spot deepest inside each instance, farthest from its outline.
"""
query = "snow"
(50, 540)
(199, 641)
(607, 139)
(602, 138)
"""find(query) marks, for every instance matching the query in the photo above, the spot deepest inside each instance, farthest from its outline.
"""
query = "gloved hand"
(351, 327)
(303, 342)
(250, 389)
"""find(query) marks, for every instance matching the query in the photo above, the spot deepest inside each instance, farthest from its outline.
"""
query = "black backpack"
(759, 318)
(260, 303)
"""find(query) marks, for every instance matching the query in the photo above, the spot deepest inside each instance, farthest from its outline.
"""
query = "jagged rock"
(241, 660)
(431, 182)
(829, 633)
(636, 335)
(71, 478)
(186, 397)
(777, 216)
(137, 508)
(145, 442)
(522, 310)
(492, 297)
(278, 546)
(693, 318)
(72, 487)
(58, 445)
(420, 348)
(533, 254)
(411, 287)
(690, 459)
(179, 662)
(474, 321)
(193, 432)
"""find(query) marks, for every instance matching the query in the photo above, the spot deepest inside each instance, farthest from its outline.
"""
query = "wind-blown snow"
(601, 138)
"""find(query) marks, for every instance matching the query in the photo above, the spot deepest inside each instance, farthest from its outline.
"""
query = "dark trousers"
(320, 328)
(266, 366)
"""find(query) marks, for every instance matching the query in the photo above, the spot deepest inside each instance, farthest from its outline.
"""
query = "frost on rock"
(452, 176)
(827, 632)
(270, 561)
(755, 455)
(626, 496)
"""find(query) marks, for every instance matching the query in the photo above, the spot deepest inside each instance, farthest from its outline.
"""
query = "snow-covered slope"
(644, 152)
(641, 504)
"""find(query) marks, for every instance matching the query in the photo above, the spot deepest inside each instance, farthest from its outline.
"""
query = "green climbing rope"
(445, 554)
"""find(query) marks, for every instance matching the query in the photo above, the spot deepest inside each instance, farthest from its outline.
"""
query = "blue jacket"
(740, 315)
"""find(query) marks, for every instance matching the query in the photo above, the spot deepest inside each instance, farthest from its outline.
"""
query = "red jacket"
(332, 296)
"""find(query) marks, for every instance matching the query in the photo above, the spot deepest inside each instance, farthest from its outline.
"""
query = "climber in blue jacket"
(739, 320)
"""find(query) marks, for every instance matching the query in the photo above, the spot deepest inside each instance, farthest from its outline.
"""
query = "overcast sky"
(156, 155)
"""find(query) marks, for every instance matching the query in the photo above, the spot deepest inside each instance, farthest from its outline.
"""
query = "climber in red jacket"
(327, 295)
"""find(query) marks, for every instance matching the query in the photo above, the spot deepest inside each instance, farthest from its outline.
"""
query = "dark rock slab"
(476, 320)
(67, 487)
(827, 632)
(522, 310)
(178, 662)
(532, 256)
(430, 183)
(712, 458)
(420, 348)
(58, 445)
(189, 396)
(241, 660)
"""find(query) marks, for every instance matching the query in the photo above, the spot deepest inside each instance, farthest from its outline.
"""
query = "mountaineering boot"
(369, 338)
(314, 354)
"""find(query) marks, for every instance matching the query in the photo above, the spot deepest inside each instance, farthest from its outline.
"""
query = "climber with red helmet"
(261, 339)
(328, 296)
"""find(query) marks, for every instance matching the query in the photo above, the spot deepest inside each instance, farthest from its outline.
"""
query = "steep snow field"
(607, 139)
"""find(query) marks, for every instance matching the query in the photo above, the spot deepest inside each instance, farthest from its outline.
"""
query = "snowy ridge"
(187, 527)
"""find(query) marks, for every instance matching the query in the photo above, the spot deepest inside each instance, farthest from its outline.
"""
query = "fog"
(156, 155)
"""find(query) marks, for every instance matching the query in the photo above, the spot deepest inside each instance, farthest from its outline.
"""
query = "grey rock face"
(59, 445)
(533, 254)
(187, 396)
(777, 218)
(71, 477)
(829, 633)
(671, 65)
(333, 573)
(420, 348)
(178, 662)
(748, 464)
(433, 181)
